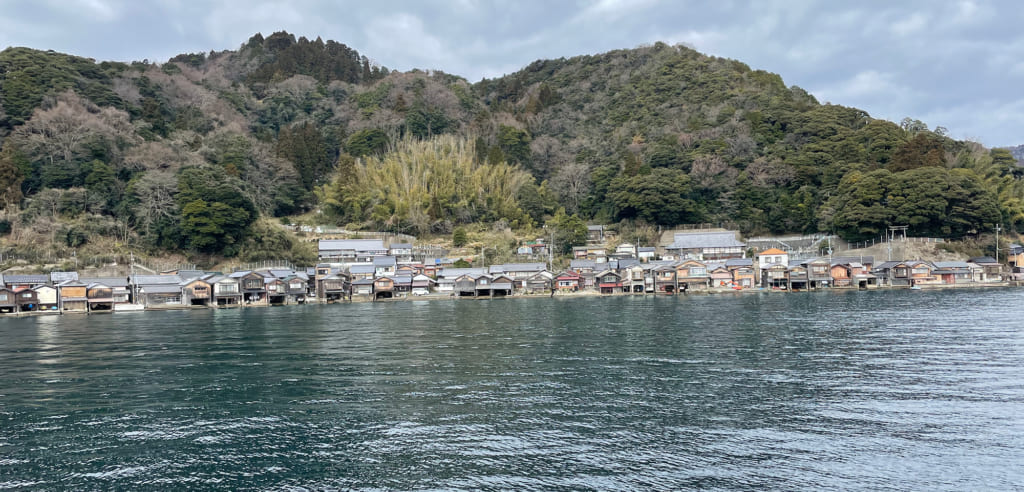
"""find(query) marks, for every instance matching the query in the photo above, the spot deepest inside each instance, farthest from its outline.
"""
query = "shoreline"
(559, 295)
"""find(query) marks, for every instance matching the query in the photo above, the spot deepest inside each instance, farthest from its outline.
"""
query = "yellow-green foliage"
(423, 185)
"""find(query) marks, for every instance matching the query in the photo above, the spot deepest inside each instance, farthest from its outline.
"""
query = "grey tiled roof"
(161, 289)
(358, 245)
(108, 281)
(628, 263)
(58, 277)
(517, 267)
(26, 279)
(384, 261)
(156, 279)
(456, 272)
(951, 264)
(582, 264)
(695, 240)
(361, 269)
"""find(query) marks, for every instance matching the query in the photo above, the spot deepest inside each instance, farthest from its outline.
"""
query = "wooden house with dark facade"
(226, 292)
(27, 299)
(609, 282)
(363, 288)
(8, 301)
(538, 284)
(465, 285)
(383, 288)
(665, 279)
(692, 275)
(100, 296)
(334, 288)
(501, 285)
(196, 292)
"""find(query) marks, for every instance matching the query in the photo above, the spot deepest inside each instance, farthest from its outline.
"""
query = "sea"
(839, 390)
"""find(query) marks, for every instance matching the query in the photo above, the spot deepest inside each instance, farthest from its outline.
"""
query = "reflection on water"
(851, 390)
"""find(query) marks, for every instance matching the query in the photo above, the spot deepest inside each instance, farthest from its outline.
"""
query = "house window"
(695, 271)
(253, 284)
(3, 297)
(26, 295)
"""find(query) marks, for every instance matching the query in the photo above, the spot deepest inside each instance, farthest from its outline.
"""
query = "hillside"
(1018, 153)
(201, 154)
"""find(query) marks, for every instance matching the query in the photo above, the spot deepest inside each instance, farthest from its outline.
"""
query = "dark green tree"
(102, 182)
(570, 231)
(308, 150)
(515, 144)
(661, 197)
(537, 201)
(11, 176)
(215, 216)
(366, 142)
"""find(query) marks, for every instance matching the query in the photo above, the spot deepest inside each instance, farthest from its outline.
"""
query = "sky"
(958, 64)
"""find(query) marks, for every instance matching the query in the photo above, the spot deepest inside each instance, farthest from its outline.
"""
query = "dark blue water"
(901, 390)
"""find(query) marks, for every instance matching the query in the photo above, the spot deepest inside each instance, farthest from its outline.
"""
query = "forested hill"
(188, 154)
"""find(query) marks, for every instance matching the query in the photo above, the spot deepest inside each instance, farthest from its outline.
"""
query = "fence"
(882, 240)
(266, 265)
(322, 231)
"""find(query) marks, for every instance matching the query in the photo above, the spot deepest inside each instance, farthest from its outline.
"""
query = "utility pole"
(131, 276)
(998, 228)
(551, 250)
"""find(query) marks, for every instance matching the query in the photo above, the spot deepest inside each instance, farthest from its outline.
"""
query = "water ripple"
(859, 391)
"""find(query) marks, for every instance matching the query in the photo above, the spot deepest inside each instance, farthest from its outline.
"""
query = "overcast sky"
(957, 64)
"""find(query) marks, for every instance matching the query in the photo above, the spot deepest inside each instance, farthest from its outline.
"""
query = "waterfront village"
(373, 269)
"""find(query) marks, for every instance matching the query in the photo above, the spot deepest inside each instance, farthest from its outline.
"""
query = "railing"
(883, 240)
(390, 237)
(266, 265)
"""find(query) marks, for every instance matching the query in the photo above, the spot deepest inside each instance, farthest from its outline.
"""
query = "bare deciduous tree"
(155, 192)
(572, 183)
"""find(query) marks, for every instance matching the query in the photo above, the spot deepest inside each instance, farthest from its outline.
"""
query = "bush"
(459, 237)
(75, 237)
